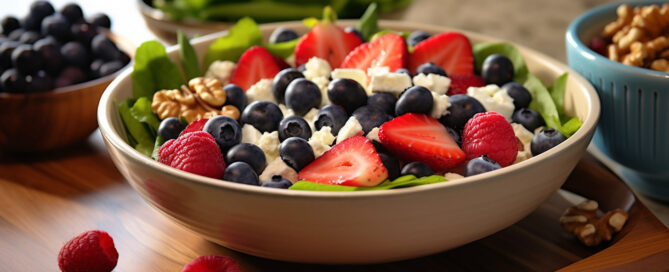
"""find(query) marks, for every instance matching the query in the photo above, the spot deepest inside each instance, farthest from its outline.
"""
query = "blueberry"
(31, 22)
(95, 67)
(417, 99)
(529, 118)
(480, 165)
(332, 116)
(9, 24)
(417, 37)
(545, 140)
(296, 152)
(371, 117)
(403, 71)
(16, 34)
(282, 34)
(277, 181)
(430, 68)
(27, 60)
(347, 93)
(100, 20)
(248, 153)
(352, 29)
(70, 75)
(418, 169)
(39, 82)
(12, 81)
(29, 37)
(294, 126)
(521, 96)
(225, 130)
(6, 49)
(109, 68)
(462, 108)
(72, 12)
(83, 32)
(170, 128)
(104, 48)
(235, 96)
(41, 9)
(383, 101)
(281, 81)
(263, 115)
(241, 172)
(302, 95)
(391, 163)
(455, 135)
(497, 69)
(57, 26)
(75, 53)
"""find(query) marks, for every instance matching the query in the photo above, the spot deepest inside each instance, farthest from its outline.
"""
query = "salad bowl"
(353, 227)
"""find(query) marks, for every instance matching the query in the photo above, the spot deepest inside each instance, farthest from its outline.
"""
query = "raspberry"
(194, 152)
(488, 133)
(196, 125)
(91, 251)
(460, 83)
(212, 264)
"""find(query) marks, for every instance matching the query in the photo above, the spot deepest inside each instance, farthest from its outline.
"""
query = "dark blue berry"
(294, 126)
(462, 108)
(12, 81)
(391, 163)
(418, 169)
(41, 9)
(29, 37)
(417, 37)
(302, 95)
(95, 67)
(9, 24)
(371, 117)
(70, 75)
(83, 32)
(430, 68)
(27, 60)
(521, 96)
(56, 26)
(263, 115)
(39, 82)
(347, 93)
(497, 69)
(31, 22)
(76, 54)
(277, 181)
(354, 30)
(170, 128)
(529, 118)
(110, 67)
(332, 116)
(6, 49)
(72, 12)
(416, 99)
(281, 81)
(480, 165)
(455, 135)
(16, 34)
(545, 140)
(241, 172)
(104, 48)
(296, 152)
(282, 34)
(100, 20)
(225, 130)
(235, 96)
(248, 153)
(403, 71)
(383, 101)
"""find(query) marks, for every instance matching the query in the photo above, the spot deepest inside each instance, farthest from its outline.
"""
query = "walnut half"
(582, 221)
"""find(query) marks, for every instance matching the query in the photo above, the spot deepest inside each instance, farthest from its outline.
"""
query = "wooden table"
(46, 199)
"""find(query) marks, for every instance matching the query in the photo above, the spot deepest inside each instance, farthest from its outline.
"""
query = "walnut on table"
(582, 221)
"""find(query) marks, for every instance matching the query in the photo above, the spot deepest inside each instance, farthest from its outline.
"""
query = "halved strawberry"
(255, 64)
(326, 41)
(450, 50)
(353, 162)
(418, 137)
(460, 83)
(388, 50)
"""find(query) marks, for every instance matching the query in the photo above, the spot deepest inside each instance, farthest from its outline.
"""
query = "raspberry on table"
(91, 251)
(489, 133)
(212, 263)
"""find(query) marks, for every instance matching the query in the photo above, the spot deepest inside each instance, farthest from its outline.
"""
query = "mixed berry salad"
(341, 109)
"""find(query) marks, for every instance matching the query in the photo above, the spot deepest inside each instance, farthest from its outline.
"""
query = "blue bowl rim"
(582, 21)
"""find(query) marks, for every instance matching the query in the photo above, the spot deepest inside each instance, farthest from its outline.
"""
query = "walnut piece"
(210, 90)
(193, 105)
(582, 221)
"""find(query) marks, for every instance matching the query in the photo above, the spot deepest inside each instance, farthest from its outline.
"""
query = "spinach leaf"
(368, 24)
(142, 112)
(153, 70)
(189, 62)
(283, 49)
(244, 34)
(401, 182)
(570, 127)
(542, 102)
(557, 93)
(139, 132)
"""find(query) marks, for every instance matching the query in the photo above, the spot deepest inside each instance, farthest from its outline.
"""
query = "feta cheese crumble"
(321, 140)
(354, 74)
(440, 105)
(322, 83)
(269, 143)
(316, 67)
(261, 90)
(433, 82)
(394, 83)
(493, 99)
(351, 128)
(250, 134)
(525, 137)
(310, 117)
(286, 111)
(373, 135)
(221, 70)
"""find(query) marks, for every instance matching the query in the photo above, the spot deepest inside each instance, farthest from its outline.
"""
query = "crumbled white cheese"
(262, 90)
(493, 99)
(221, 70)
(354, 74)
(316, 67)
(372, 71)
(452, 176)
(269, 143)
(286, 111)
(440, 105)
(310, 117)
(525, 137)
(278, 167)
(394, 83)
(321, 140)
(322, 83)
(250, 134)
(433, 82)
(373, 135)
(351, 128)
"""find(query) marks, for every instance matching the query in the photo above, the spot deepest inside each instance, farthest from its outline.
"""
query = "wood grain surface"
(46, 199)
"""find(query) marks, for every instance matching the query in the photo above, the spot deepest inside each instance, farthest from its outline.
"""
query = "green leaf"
(240, 37)
(329, 15)
(153, 70)
(542, 102)
(368, 24)
(156, 147)
(189, 62)
(557, 92)
(283, 49)
(310, 22)
(571, 126)
(139, 132)
(483, 50)
(142, 112)
(401, 182)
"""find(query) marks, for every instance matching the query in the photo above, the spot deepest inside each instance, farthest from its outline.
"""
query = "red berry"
(389, 50)
(460, 83)
(488, 133)
(91, 251)
(326, 41)
(196, 125)
(450, 50)
(194, 152)
(212, 263)
(255, 64)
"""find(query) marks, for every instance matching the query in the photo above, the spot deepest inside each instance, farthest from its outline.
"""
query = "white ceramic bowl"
(353, 227)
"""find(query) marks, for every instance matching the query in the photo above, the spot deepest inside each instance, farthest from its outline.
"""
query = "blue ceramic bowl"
(634, 125)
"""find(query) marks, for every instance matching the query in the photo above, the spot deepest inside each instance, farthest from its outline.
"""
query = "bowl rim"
(592, 16)
(114, 139)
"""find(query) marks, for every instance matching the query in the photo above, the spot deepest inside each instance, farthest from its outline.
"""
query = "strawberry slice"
(326, 41)
(353, 162)
(450, 50)
(389, 50)
(255, 64)
(460, 83)
(418, 137)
